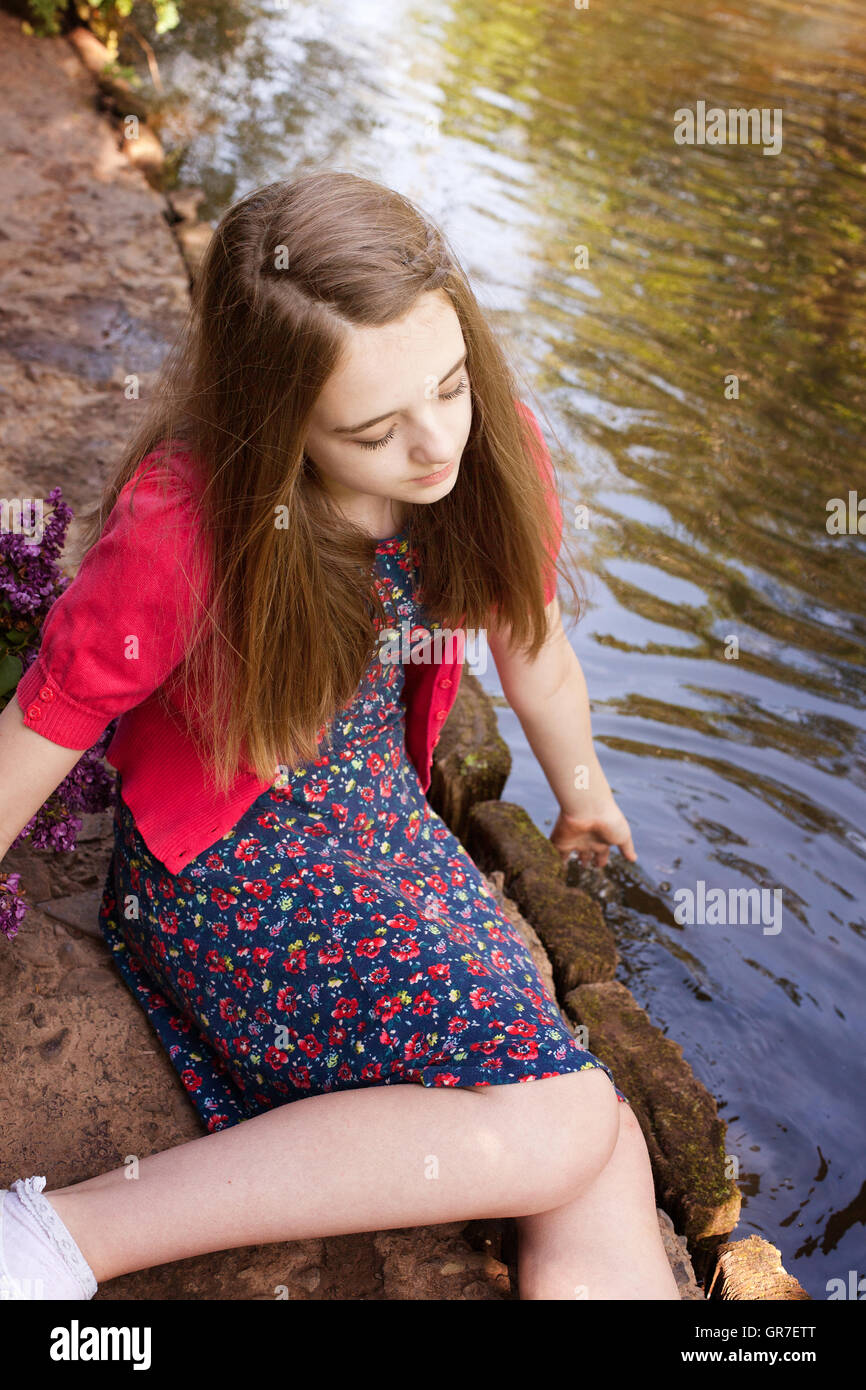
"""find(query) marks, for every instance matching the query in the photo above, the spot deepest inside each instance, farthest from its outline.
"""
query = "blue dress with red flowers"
(339, 935)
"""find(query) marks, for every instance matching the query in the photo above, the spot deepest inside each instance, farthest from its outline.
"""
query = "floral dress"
(339, 935)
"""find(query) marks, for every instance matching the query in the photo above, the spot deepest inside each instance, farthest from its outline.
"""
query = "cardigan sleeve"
(118, 629)
(545, 467)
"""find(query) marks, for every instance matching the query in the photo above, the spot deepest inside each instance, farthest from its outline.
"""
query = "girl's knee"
(568, 1129)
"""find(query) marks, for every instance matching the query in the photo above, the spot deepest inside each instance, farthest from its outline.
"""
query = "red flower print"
(220, 929)
(216, 1122)
(241, 980)
(261, 1015)
(190, 1080)
(295, 962)
(523, 1027)
(261, 955)
(213, 861)
(439, 971)
(487, 1047)
(191, 947)
(221, 898)
(372, 1071)
(524, 1051)
(369, 946)
(185, 979)
(315, 791)
(341, 917)
(409, 889)
(248, 919)
(480, 999)
(446, 1078)
(228, 1010)
(339, 812)
(336, 1036)
(287, 999)
(242, 1046)
(384, 1009)
(407, 949)
(402, 923)
(168, 922)
(215, 963)
(248, 848)
(310, 1045)
(380, 976)
(274, 1057)
(364, 895)
(330, 952)
(258, 887)
(424, 1002)
(345, 1008)
(475, 967)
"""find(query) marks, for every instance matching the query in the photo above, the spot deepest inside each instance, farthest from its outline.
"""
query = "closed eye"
(386, 438)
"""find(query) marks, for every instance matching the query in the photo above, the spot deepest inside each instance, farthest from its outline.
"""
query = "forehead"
(383, 367)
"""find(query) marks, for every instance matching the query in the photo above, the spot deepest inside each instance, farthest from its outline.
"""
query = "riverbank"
(98, 285)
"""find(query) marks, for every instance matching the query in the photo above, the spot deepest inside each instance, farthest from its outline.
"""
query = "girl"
(334, 451)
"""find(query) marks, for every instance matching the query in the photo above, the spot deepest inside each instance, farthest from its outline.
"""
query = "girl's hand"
(590, 836)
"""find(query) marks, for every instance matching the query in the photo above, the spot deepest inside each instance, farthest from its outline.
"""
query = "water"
(528, 132)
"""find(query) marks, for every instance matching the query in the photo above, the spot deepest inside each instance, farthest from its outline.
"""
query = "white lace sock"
(39, 1258)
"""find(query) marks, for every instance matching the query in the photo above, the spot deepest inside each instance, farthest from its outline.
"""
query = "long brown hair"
(289, 623)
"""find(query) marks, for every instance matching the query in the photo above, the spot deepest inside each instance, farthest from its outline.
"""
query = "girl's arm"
(550, 698)
(31, 767)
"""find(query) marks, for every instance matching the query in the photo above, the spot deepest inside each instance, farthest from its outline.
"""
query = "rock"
(752, 1268)
(143, 149)
(471, 762)
(193, 239)
(573, 932)
(678, 1258)
(500, 835)
(678, 1116)
(96, 57)
(80, 910)
(111, 290)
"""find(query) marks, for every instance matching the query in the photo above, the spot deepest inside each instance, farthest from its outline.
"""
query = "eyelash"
(386, 438)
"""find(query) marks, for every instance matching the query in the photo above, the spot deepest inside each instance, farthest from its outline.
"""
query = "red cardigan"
(112, 638)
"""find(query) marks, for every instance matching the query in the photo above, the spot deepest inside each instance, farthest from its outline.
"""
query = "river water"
(700, 370)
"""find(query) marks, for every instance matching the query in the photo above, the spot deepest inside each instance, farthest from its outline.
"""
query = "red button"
(440, 714)
(444, 683)
(35, 712)
(46, 693)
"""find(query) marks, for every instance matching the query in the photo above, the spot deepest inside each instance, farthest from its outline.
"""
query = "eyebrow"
(355, 429)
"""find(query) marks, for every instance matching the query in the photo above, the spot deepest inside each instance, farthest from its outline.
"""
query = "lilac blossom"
(30, 581)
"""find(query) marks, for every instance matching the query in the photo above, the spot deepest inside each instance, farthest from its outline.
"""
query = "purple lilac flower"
(30, 580)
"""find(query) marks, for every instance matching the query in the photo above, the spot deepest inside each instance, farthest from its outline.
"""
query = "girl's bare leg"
(604, 1243)
(373, 1159)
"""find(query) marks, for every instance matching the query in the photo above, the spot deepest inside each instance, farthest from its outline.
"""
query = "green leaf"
(10, 673)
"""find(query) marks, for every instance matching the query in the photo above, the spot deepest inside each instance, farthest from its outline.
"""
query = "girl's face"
(397, 409)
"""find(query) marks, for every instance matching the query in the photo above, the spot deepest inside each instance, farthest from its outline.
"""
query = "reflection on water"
(701, 365)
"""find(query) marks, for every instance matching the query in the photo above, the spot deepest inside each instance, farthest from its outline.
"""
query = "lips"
(437, 473)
